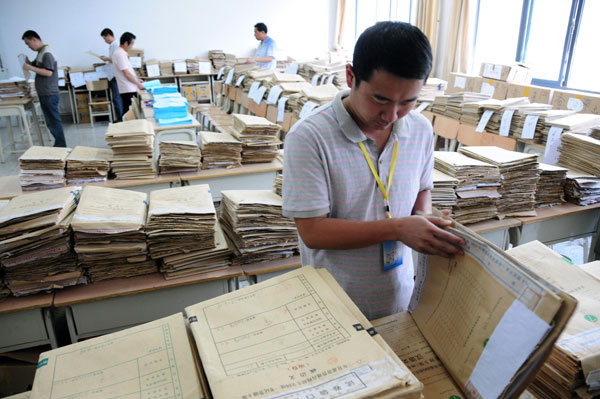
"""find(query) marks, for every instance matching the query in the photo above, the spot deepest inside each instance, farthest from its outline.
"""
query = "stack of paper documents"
(35, 241)
(456, 101)
(278, 183)
(519, 173)
(577, 123)
(525, 123)
(253, 221)
(162, 90)
(487, 317)
(595, 133)
(217, 57)
(110, 239)
(88, 164)
(499, 107)
(551, 186)
(571, 371)
(150, 360)
(471, 112)
(43, 167)
(166, 68)
(220, 150)
(582, 188)
(443, 195)
(580, 152)
(14, 89)
(325, 71)
(440, 104)
(477, 189)
(432, 88)
(132, 143)
(295, 336)
(179, 156)
(192, 65)
(171, 109)
(546, 117)
(258, 136)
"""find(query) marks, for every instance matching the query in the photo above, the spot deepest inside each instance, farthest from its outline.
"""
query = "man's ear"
(349, 75)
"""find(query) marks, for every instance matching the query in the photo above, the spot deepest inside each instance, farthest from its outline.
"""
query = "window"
(555, 38)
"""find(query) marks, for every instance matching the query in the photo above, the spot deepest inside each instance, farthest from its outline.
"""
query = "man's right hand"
(104, 58)
(425, 234)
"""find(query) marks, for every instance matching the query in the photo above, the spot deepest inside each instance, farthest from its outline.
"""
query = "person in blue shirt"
(265, 53)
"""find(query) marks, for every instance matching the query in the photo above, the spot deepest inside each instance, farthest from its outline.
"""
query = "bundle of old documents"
(571, 371)
(526, 121)
(443, 195)
(582, 188)
(132, 143)
(179, 156)
(456, 101)
(181, 225)
(110, 239)
(253, 221)
(487, 316)
(43, 167)
(477, 189)
(35, 241)
(220, 150)
(15, 88)
(88, 164)
(499, 107)
(258, 136)
(580, 152)
(440, 104)
(551, 186)
(547, 117)
(433, 87)
(519, 173)
(278, 183)
(295, 336)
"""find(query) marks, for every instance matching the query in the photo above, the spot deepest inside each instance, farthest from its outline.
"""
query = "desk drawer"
(22, 328)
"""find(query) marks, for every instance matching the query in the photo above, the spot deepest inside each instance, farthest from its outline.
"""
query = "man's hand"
(250, 60)
(425, 234)
(28, 67)
(104, 58)
(140, 85)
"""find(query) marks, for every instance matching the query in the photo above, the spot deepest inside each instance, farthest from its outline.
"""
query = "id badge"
(392, 255)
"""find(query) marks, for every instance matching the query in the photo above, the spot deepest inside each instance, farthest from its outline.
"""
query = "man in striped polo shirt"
(357, 174)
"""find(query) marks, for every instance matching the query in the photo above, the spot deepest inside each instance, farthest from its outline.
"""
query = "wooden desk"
(496, 231)
(26, 322)
(258, 272)
(561, 223)
(258, 176)
(113, 305)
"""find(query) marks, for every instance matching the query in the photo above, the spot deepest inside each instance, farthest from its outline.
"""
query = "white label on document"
(506, 122)
(575, 104)
(229, 76)
(281, 108)
(274, 94)
(307, 108)
(492, 71)
(136, 62)
(487, 88)
(529, 127)
(330, 78)
(552, 145)
(322, 80)
(152, 70)
(253, 87)
(292, 68)
(239, 80)
(221, 70)
(204, 68)
(485, 118)
(315, 79)
(260, 93)
(180, 67)
(460, 81)
(422, 106)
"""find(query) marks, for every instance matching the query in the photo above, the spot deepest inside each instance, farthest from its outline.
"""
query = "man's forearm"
(423, 203)
(40, 71)
(130, 77)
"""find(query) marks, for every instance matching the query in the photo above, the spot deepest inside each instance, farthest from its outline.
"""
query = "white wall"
(164, 29)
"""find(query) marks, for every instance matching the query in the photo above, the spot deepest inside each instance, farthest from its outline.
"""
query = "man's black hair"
(398, 48)
(106, 32)
(31, 34)
(126, 37)
(261, 27)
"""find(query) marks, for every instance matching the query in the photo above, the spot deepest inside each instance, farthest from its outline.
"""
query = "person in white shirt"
(109, 38)
(264, 56)
(126, 79)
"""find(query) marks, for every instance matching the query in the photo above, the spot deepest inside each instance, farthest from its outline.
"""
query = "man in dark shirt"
(46, 84)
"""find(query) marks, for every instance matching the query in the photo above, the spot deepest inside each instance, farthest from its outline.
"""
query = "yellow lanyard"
(384, 191)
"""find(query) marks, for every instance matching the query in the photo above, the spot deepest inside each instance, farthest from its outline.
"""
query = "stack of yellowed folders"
(443, 194)
(499, 107)
(220, 150)
(477, 189)
(519, 173)
(132, 143)
(580, 152)
(179, 156)
(88, 164)
(181, 231)
(43, 167)
(573, 368)
(456, 100)
(258, 136)
(526, 121)
(582, 188)
(294, 336)
(551, 186)
(548, 116)
(253, 221)
(489, 318)
(35, 241)
(110, 238)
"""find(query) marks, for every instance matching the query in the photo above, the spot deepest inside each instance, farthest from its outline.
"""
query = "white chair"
(104, 105)
(177, 135)
(19, 112)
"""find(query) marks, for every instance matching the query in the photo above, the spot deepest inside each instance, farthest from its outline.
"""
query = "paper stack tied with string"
(43, 167)
(477, 189)
(110, 238)
(253, 222)
(220, 150)
(519, 173)
(88, 164)
(132, 143)
(258, 136)
(35, 241)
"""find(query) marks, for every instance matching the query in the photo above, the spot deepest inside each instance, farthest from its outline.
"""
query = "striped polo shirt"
(325, 173)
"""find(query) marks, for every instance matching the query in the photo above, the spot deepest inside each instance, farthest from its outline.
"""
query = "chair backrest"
(499, 141)
(97, 85)
(468, 136)
(445, 127)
